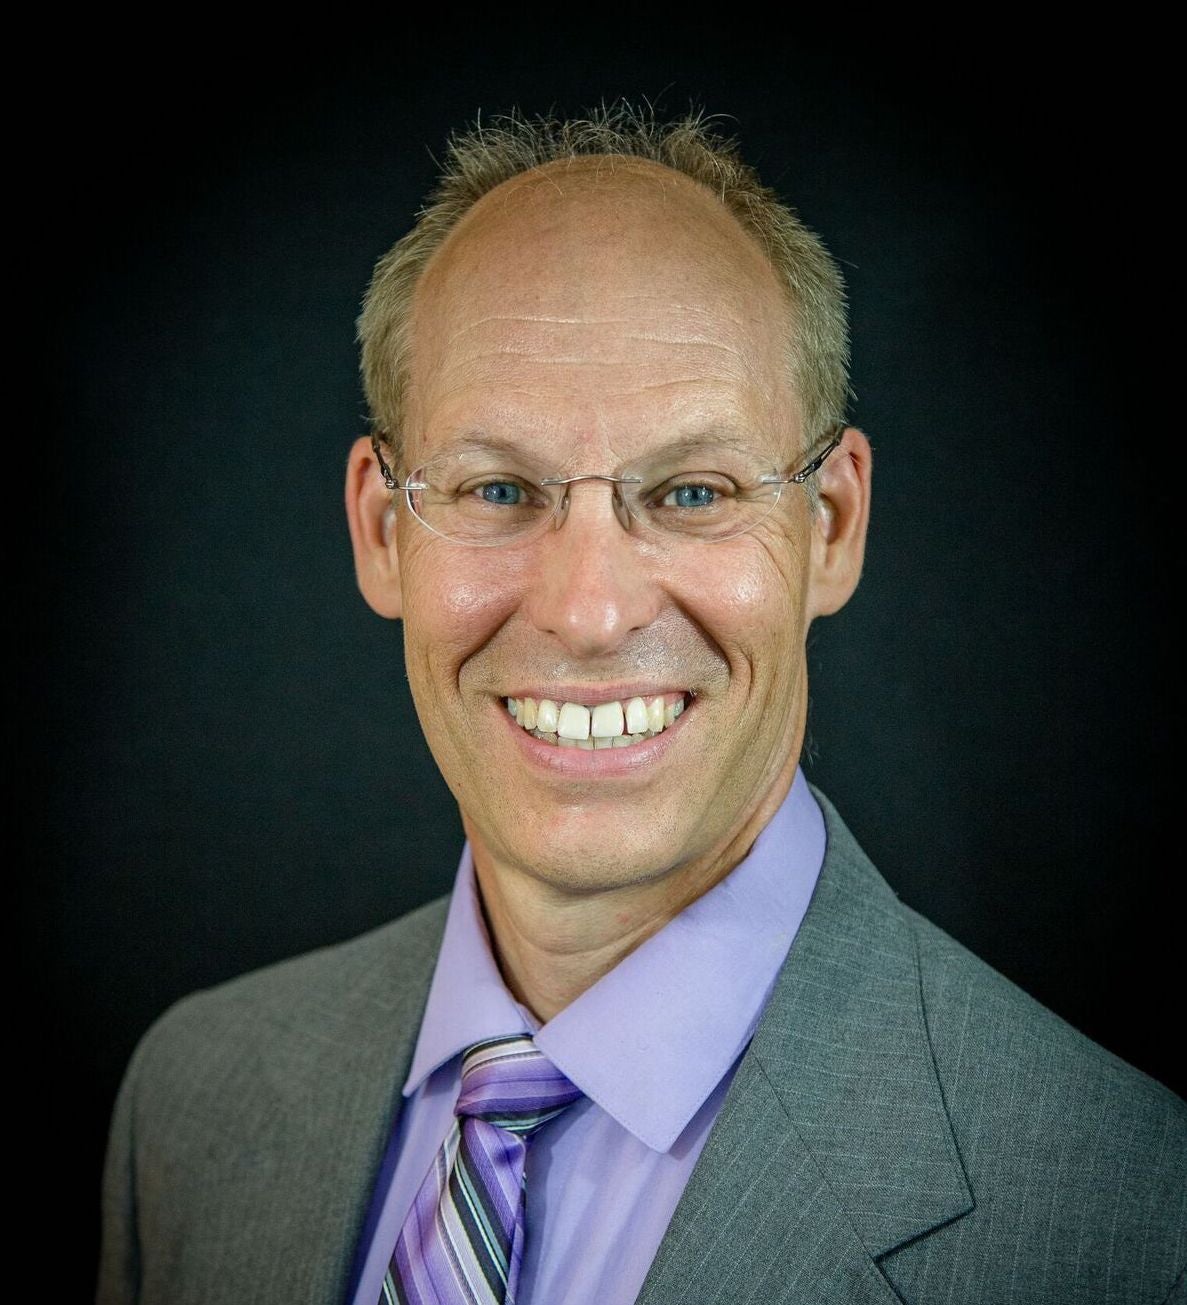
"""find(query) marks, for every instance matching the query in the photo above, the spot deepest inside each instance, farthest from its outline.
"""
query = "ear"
(839, 524)
(372, 521)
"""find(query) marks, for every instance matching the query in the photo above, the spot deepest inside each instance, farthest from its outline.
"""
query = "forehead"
(608, 303)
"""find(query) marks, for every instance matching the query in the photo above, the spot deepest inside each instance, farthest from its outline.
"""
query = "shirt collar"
(653, 1037)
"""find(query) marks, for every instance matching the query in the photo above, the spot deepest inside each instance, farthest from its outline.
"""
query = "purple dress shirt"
(653, 1045)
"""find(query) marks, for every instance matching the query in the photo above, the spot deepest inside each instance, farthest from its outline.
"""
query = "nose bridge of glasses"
(562, 484)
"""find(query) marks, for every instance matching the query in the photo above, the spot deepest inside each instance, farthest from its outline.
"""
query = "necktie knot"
(509, 1083)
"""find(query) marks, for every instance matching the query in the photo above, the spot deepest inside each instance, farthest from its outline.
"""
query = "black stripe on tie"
(526, 1123)
(475, 1235)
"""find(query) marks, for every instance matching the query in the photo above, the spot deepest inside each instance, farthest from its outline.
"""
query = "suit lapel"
(758, 1221)
(833, 1145)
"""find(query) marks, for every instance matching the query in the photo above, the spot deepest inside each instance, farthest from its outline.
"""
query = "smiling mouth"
(620, 724)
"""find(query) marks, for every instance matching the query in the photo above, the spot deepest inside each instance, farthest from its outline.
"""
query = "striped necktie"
(462, 1242)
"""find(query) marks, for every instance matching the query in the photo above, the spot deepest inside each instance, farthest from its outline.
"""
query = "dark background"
(218, 760)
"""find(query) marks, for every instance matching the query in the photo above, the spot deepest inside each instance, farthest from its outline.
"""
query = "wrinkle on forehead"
(555, 358)
(545, 319)
(477, 348)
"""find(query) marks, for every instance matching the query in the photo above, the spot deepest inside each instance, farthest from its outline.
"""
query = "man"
(671, 1038)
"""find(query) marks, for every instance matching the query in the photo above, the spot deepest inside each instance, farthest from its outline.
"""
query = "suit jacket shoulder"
(251, 1120)
(908, 1125)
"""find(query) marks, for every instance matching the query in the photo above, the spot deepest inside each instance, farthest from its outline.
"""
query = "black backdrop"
(226, 762)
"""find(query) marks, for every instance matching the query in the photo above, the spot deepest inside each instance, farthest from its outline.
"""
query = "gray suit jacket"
(905, 1126)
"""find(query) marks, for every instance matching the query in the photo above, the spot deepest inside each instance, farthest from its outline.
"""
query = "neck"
(553, 943)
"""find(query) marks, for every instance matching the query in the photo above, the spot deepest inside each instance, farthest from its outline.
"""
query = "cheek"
(757, 591)
(752, 607)
(750, 597)
(454, 601)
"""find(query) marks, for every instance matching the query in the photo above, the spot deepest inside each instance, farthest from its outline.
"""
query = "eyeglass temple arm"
(798, 477)
(386, 472)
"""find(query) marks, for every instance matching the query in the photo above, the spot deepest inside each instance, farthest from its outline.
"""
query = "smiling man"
(671, 1038)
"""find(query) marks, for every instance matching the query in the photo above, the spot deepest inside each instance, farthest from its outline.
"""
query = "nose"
(593, 581)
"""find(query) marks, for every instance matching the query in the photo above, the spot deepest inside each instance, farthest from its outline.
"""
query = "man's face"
(587, 319)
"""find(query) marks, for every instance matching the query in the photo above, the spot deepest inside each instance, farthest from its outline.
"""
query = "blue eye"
(690, 496)
(503, 493)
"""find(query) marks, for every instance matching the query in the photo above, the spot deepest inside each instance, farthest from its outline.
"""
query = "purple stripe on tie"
(538, 1092)
(496, 1160)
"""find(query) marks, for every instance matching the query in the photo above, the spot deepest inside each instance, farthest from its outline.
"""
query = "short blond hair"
(488, 154)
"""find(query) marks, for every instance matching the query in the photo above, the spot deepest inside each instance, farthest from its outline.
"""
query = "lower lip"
(595, 763)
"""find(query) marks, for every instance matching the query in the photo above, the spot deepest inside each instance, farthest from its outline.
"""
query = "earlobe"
(372, 520)
(839, 525)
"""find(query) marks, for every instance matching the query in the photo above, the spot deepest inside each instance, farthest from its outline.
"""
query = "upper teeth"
(607, 725)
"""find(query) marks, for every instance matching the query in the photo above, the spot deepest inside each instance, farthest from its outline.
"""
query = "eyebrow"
(709, 440)
(481, 442)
